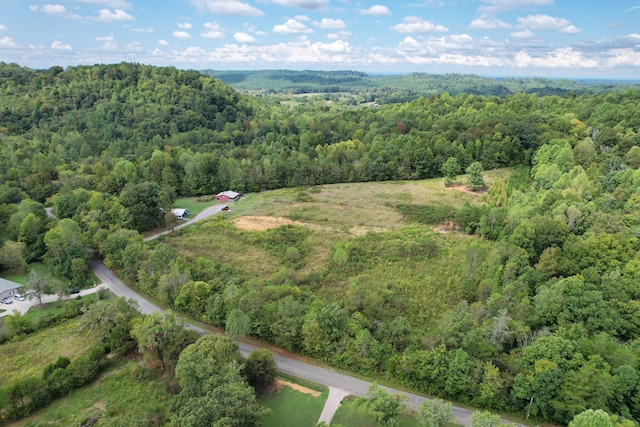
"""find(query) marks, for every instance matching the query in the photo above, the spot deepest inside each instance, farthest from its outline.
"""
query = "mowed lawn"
(293, 408)
(349, 415)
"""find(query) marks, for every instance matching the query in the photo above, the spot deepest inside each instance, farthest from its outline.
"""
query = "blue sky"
(549, 38)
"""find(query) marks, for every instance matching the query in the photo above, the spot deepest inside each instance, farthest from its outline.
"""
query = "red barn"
(227, 196)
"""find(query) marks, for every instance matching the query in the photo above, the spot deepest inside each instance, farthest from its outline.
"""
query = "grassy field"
(125, 395)
(390, 254)
(194, 204)
(350, 416)
(294, 408)
(31, 354)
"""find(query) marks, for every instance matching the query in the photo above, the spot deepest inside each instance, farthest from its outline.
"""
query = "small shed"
(180, 213)
(227, 196)
(8, 288)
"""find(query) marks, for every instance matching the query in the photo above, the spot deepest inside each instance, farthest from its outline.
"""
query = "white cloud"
(303, 4)
(330, 24)
(339, 35)
(34, 8)
(7, 42)
(54, 9)
(58, 45)
(523, 34)
(548, 23)
(292, 27)
(109, 42)
(181, 35)
(487, 23)
(409, 44)
(302, 18)
(114, 4)
(624, 58)
(105, 15)
(414, 24)
(163, 43)
(339, 46)
(3, 27)
(558, 58)
(214, 31)
(498, 6)
(244, 38)
(184, 25)
(227, 7)
(376, 10)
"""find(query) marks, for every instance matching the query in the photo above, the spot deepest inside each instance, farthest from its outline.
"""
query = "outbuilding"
(8, 288)
(180, 213)
(227, 196)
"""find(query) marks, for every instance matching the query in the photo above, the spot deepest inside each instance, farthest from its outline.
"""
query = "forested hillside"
(385, 89)
(537, 295)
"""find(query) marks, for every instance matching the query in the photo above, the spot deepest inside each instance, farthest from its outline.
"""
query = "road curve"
(288, 365)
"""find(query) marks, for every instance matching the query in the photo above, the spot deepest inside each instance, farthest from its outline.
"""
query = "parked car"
(225, 208)
(7, 300)
(19, 297)
(74, 291)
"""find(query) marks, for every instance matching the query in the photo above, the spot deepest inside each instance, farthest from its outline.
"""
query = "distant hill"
(399, 88)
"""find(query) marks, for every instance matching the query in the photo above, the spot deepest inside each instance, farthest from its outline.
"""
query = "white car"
(19, 297)
(6, 300)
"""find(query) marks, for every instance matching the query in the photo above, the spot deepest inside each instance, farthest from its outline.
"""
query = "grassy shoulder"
(124, 395)
(195, 205)
(349, 415)
(29, 355)
(294, 403)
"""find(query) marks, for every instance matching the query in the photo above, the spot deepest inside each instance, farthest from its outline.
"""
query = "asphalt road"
(288, 365)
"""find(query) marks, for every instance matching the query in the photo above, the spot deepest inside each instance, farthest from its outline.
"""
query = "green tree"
(450, 169)
(591, 418)
(485, 419)
(260, 369)
(238, 324)
(37, 287)
(147, 203)
(111, 322)
(475, 181)
(155, 332)
(385, 408)
(435, 413)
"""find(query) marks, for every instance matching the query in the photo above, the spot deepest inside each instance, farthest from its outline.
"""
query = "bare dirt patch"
(447, 227)
(282, 383)
(461, 187)
(259, 223)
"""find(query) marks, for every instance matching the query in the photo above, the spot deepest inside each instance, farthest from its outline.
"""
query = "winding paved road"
(288, 365)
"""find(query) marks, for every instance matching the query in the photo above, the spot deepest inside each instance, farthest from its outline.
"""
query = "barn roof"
(230, 194)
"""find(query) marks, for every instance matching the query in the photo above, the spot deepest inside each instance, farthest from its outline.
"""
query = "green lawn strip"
(195, 205)
(125, 395)
(349, 415)
(292, 408)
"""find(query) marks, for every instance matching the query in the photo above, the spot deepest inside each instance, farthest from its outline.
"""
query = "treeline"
(390, 88)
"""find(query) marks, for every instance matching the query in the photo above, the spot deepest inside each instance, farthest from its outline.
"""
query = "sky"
(592, 39)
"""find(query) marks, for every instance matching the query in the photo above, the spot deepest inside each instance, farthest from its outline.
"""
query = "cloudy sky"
(551, 38)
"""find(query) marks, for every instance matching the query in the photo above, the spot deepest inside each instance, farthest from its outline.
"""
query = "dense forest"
(546, 315)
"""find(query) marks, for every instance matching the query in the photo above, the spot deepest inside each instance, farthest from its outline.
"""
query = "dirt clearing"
(282, 383)
(259, 223)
